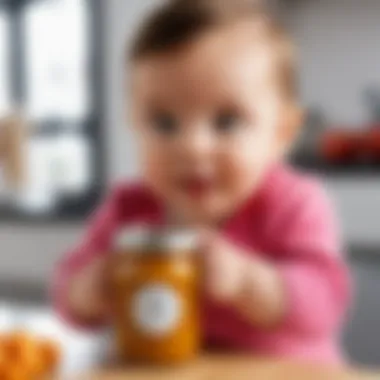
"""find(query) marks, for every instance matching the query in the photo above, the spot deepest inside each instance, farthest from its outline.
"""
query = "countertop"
(85, 352)
(233, 367)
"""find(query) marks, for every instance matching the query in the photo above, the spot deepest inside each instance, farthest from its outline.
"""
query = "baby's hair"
(179, 22)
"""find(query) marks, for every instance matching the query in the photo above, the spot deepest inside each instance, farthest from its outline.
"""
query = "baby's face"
(208, 118)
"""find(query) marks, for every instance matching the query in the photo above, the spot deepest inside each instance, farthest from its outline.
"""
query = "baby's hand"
(247, 283)
(224, 266)
(88, 292)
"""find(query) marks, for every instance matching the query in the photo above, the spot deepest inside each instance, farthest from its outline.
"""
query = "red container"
(341, 146)
(372, 143)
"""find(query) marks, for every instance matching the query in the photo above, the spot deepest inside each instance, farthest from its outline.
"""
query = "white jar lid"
(135, 237)
(180, 240)
(159, 241)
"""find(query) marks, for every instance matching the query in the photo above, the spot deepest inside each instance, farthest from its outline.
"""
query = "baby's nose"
(197, 143)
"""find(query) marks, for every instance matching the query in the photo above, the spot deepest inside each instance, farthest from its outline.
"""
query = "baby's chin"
(208, 210)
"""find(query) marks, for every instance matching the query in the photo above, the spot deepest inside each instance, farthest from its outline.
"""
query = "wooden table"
(233, 368)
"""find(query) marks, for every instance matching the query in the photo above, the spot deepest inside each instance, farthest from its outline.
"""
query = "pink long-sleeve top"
(290, 222)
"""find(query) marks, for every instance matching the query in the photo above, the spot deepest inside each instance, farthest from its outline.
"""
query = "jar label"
(156, 309)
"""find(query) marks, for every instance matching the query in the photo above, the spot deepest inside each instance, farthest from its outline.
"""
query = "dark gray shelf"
(346, 170)
(68, 211)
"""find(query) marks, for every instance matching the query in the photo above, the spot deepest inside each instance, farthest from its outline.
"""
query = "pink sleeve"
(313, 270)
(120, 207)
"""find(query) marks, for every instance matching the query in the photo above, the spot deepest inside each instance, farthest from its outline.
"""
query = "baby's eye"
(227, 122)
(164, 123)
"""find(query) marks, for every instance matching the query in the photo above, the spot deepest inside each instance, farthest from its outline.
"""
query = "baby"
(215, 112)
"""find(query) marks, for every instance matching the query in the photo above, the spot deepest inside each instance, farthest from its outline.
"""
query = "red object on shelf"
(341, 146)
(372, 143)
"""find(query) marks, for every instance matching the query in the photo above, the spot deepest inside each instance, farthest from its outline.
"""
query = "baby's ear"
(291, 124)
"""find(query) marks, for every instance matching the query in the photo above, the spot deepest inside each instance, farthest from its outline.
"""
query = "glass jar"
(155, 280)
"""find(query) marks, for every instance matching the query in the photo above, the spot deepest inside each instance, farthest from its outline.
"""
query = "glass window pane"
(56, 166)
(4, 61)
(56, 57)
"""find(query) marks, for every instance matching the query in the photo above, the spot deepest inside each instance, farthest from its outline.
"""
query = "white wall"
(357, 202)
(29, 252)
(122, 19)
(340, 56)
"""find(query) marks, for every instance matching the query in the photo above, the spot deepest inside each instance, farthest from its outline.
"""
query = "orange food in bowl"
(3, 370)
(17, 373)
(22, 351)
(24, 357)
(50, 355)
(3, 356)
(18, 346)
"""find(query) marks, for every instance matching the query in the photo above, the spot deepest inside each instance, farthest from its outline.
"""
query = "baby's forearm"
(261, 296)
(79, 295)
(82, 303)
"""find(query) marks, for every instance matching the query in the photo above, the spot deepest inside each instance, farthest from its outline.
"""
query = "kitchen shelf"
(68, 211)
(346, 170)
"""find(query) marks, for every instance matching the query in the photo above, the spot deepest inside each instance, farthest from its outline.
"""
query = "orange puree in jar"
(155, 287)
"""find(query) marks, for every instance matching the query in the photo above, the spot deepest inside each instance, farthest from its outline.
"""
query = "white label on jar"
(156, 309)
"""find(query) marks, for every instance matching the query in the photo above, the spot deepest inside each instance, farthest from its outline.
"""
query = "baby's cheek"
(156, 172)
(238, 170)
(240, 175)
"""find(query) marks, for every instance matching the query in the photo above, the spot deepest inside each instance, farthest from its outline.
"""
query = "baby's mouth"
(196, 186)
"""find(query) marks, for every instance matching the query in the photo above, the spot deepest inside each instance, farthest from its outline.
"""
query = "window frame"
(74, 208)
(7, 79)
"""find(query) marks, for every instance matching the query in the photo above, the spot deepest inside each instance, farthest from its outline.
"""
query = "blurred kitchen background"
(63, 138)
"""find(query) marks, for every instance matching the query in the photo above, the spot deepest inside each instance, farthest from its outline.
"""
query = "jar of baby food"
(155, 281)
